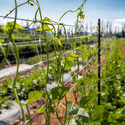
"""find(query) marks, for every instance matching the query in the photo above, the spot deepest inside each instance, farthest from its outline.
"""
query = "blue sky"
(113, 10)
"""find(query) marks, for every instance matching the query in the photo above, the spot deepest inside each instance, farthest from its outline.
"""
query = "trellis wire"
(71, 88)
(41, 62)
(32, 20)
(36, 112)
(37, 41)
(82, 68)
(66, 82)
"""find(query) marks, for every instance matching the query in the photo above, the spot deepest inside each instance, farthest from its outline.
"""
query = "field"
(73, 80)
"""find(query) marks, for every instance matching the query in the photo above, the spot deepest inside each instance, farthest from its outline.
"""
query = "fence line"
(37, 41)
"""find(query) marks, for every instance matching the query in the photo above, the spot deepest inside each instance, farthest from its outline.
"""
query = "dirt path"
(122, 49)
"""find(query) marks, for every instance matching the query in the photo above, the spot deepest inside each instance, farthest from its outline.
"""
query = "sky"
(112, 10)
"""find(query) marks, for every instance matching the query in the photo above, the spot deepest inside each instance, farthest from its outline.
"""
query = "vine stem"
(15, 8)
(81, 6)
(17, 59)
(57, 113)
(28, 114)
(66, 110)
(4, 55)
(42, 23)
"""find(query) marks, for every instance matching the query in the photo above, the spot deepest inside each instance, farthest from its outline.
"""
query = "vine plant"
(87, 111)
(67, 64)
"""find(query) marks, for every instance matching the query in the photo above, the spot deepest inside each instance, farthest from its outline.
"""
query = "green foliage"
(34, 96)
(57, 40)
(34, 81)
(81, 116)
(82, 47)
(9, 27)
(34, 86)
(68, 64)
(59, 92)
(81, 15)
(44, 27)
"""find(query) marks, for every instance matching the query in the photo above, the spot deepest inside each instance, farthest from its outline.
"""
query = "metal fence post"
(99, 60)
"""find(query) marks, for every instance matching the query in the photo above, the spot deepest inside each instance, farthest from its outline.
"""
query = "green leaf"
(112, 118)
(81, 15)
(19, 27)
(87, 101)
(5, 29)
(84, 56)
(34, 96)
(120, 110)
(93, 78)
(73, 55)
(74, 77)
(80, 113)
(83, 81)
(45, 27)
(9, 26)
(97, 113)
(59, 92)
(47, 19)
(83, 37)
(40, 109)
(57, 40)
(55, 61)
(69, 58)
(73, 45)
(72, 74)
(82, 91)
(82, 47)
(68, 64)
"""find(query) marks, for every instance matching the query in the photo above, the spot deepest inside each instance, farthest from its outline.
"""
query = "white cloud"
(117, 25)
(120, 20)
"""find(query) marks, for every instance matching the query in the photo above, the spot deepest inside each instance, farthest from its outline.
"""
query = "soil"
(122, 49)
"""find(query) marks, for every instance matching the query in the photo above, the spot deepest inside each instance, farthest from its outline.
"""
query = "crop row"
(84, 88)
